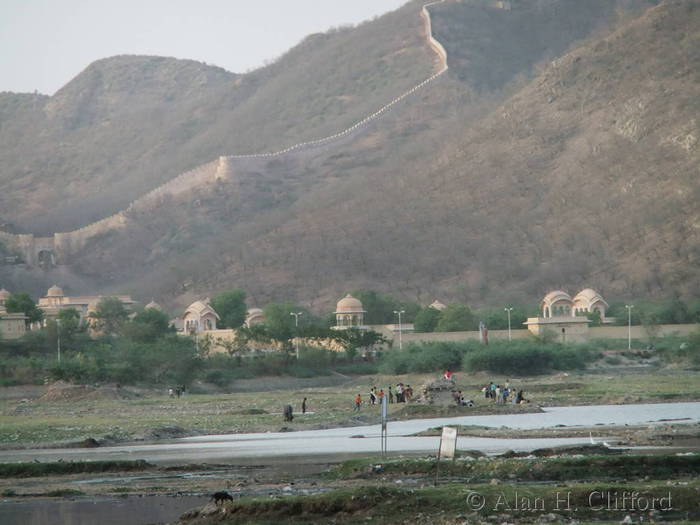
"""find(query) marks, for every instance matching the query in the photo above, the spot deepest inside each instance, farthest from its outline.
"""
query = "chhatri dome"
(589, 300)
(153, 306)
(55, 291)
(254, 316)
(437, 305)
(559, 303)
(556, 303)
(200, 316)
(349, 312)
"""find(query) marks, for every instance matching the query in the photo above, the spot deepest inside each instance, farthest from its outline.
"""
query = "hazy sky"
(45, 43)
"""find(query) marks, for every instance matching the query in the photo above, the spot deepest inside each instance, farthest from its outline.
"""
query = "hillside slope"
(127, 124)
(495, 185)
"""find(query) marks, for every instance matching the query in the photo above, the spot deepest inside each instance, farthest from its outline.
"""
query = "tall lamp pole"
(58, 338)
(399, 313)
(509, 310)
(296, 327)
(629, 325)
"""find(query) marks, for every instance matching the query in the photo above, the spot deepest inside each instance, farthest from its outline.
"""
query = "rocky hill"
(560, 149)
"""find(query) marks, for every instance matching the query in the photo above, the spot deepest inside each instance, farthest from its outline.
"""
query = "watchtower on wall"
(35, 251)
(224, 170)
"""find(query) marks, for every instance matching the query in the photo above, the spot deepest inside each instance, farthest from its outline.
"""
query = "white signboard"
(448, 442)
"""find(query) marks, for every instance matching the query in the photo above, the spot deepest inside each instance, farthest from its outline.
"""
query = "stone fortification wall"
(10, 241)
(435, 45)
(183, 183)
(70, 242)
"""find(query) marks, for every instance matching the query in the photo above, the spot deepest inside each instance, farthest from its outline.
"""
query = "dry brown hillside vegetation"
(128, 123)
(561, 149)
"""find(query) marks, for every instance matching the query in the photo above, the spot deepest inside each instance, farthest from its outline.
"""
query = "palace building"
(55, 301)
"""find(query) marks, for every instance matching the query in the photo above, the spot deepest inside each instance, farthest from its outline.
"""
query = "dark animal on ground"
(221, 497)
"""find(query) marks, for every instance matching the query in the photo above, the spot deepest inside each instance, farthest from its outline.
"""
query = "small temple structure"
(55, 301)
(254, 316)
(349, 313)
(566, 319)
(200, 317)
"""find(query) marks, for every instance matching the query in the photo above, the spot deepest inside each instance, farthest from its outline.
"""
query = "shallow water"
(133, 510)
(340, 440)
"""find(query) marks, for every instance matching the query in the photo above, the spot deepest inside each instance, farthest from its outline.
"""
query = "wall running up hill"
(63, 245)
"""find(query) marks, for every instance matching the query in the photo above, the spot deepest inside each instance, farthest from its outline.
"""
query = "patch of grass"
(29, 470)
(526, 469)
(62, 493)
(613, 360)
(448, 503)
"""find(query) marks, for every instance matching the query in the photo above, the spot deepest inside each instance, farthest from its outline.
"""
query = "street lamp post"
(399, 313)
(58, 338)
(296, 329)
(629, 325)
(509, 310)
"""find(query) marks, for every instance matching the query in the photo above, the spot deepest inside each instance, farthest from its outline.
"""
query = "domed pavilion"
(349, 313)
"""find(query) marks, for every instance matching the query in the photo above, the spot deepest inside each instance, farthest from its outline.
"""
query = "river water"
(331, 443)
(131, 510)
(365, 439)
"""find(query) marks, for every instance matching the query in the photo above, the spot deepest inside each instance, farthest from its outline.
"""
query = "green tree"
(354, 339)
(147, 326)
(21, 302)
(456, 318)
(497, 318)
(231, 308)
(380, 308)
(280, 324)
(426, 320)
(69, 320)
(67, 323)
(110, 315)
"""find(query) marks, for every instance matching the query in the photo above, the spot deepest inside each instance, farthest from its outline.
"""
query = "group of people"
(403, 394)
(177, 391)
(501, 394)
(288, 411)
(459, 399)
